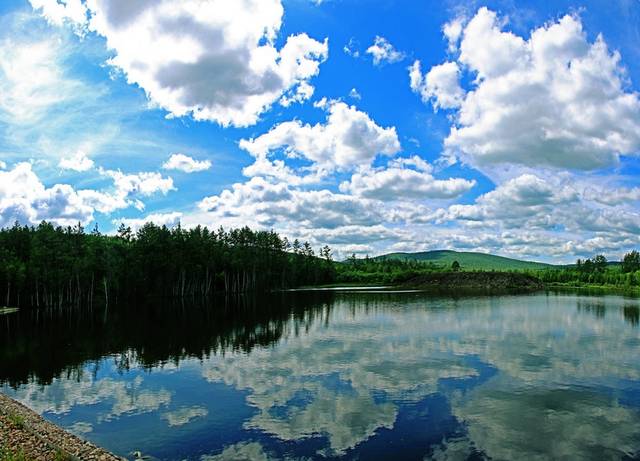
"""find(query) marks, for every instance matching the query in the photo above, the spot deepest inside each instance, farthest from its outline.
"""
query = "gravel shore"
(25, 435)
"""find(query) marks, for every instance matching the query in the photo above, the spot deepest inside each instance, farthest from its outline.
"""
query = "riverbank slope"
(25, 435)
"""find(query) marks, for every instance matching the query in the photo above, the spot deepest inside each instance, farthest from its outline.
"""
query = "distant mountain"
(467, 260)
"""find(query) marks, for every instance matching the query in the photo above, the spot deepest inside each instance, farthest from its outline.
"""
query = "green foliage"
(631, 262)
(455, 266)
(595, 271)
(380, 270)
(16, 421)
(60, 455)
(55, 266)
(468, 260)
(6, 455)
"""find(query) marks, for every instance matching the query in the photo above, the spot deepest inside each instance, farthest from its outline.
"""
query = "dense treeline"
(597, 271)
(56, 266)
(384, 271)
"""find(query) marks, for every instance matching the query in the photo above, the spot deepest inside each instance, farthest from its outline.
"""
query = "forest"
(49, 266)
(55, 266)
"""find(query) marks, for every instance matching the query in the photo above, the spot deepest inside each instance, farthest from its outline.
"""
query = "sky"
(372, 126)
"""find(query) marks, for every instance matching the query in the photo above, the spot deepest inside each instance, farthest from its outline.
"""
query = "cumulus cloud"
(213, 60)
(528, 216)
(383, 52)
(128, 190)
(348, 138)
(78, 162)
(396, 182)
(613, 196)
(440, 85)
(186, 164)
(24, 198)
(59, 12)
(264, 204)
(452, 32)
(525, 198)
(143, 184)
(554, 99)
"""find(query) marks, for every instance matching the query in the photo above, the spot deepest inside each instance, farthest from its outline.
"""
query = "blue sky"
(372, 126)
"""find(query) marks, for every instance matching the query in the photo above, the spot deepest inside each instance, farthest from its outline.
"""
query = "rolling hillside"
(468, 260)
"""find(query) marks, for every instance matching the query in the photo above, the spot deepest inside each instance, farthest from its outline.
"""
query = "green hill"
(468, 260)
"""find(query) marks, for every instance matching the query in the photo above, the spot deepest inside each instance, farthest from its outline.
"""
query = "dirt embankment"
(25, 435)
(487, 281)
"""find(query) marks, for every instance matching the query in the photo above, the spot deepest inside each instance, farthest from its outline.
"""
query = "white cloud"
(351, 48)
(259, 203)
(32, 79)
(440, 85)
(452, 32)
(351, 234)
(397, 181)
(24, 198)
(354, 94)
(348, 138)
(143, 184)
(186, 164)
(530, 216)
(105, 202)
(555, 99)
(615, 196)
(128, 189)
(59, 12)
(526, 198)
(383, 52)
(215, 60)
(78, 162)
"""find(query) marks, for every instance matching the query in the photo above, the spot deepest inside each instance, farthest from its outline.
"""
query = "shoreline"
(25, 435)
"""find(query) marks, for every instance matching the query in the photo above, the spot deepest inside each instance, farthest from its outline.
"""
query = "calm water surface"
(339, 375)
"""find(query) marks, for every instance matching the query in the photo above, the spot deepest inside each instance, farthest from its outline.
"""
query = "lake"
(361, 374)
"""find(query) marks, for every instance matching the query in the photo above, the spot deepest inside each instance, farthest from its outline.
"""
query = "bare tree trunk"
(106, 299)
(106, 293)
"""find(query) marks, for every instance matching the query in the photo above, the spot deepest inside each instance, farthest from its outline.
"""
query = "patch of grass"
(16, 421)
(62, 456)
(6, 455)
